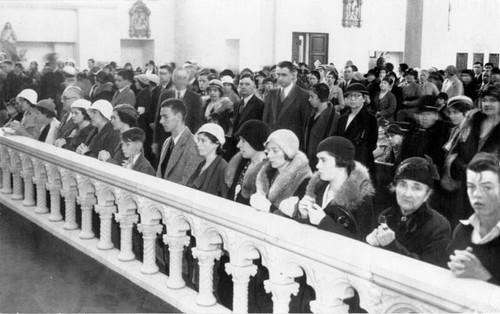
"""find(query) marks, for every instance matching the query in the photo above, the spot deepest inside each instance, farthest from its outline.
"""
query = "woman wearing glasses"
(359, 126)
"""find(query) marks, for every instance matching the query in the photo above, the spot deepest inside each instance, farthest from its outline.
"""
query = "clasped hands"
(381, 236)
(464, 264)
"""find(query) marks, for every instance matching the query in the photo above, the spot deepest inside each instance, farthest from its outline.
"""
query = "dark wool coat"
(280, 186)
(144, 166)
(317, 130)
(212, 179)
(253, 110)
(488, 253)
(106, 139)
(386, 106)
(350, 213)
(419, 142)
(290, 114)
(234, 170)
(81, 136)
(363, 133)
(423, 235)
(66, 126)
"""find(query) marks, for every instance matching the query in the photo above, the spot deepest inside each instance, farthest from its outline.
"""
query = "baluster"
(176, 248)
(55, 201)
(329, 305)
(241, 277)
(206, 261)
(126, 224)
(149, 233)
(86, 204)
(17, 192)
(105, 214)
(29, 197)
(70, 205)
(6, 179)
(41, 195)
(282, 293)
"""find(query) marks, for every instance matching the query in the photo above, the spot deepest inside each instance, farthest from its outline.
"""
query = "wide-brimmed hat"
(356, 88)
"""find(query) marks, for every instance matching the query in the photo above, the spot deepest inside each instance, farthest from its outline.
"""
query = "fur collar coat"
(286, 183)
(233, 173)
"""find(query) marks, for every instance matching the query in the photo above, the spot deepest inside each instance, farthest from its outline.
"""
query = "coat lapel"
(248, 108)
(177, 151)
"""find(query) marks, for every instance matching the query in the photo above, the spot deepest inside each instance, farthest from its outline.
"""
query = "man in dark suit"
(193, 102)
(477, 80)
(124, 95)
(250, 106)
(68, 97)
(287, 107)
(348, 78)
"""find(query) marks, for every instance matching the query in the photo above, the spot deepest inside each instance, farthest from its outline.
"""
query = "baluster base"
(41, 210)
(55, 217)
(149, 270)
(70, 226)
(28, 203)
(126, 257)
(86, 235)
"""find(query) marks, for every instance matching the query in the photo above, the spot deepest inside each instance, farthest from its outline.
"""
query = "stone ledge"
(182, 299)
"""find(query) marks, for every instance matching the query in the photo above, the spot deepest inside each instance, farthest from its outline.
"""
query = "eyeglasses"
(64, 98)
(354, 96)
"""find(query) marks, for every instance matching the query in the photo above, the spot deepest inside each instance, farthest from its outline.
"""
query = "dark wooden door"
(478, 57)
(462, 61)
(318, 48)
(494, 59)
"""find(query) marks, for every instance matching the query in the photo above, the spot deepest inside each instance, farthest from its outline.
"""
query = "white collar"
(176, 139)
(476, 224)
(288, 89)
(247, 99)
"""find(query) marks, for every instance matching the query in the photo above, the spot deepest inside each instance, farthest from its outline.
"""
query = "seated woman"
(45, 111)
(475, 247)
(102, 137)
(131, 145)
(242, 169)
(411, 227)
(339, 196)
(81, 119)
(29, 124)
(284, 176)
(209, 176)
(123, 118)
(14, 111)
(384, 102)
(216, 103)
(103, 89)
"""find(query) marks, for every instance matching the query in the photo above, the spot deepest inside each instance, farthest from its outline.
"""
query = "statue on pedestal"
(352, 13)
(139, 20)
(8, 40)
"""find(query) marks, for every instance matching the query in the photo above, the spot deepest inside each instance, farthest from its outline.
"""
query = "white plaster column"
(149, 233)
(17, 190)
(41, 195)
(126, 224)
(241, 277)
(282, 293)
(206, 261)
(6, 180)
(70, 205)
(29, 191)
(87, 205)
(55, 201)
(105, 214)
(176, 248)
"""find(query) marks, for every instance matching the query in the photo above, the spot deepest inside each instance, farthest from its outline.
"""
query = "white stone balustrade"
(334, 266)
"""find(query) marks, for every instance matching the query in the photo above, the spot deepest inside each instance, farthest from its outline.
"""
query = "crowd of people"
(315, 145)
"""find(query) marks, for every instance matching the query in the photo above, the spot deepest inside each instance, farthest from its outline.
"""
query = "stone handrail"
(334, 266)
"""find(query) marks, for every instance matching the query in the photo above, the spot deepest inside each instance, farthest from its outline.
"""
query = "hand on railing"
(289, 205)
(381, 236)
(316, 214)
(260, 202)
(104, 155)
(82, 149)
(464, 264)
(60, 142)
(305, 203)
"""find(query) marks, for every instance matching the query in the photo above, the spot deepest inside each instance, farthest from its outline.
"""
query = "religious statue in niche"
(8, 41)
(139, 20)
(352, 13)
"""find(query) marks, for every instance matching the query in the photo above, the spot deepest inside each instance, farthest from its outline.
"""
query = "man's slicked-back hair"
(177, 106)
(289, 65)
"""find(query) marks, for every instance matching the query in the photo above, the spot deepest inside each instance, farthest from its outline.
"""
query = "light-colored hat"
(69, 70)
(227, 79)
(286, 140)
(28, 94)
(104, 107)
(153, 78)
(463, 100)
(142, 78)
(214, 129)
(217, 84)
(81, 103)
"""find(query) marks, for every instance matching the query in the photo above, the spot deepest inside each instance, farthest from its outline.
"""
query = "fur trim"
(286, 183)
(248, 187)
(352, 193)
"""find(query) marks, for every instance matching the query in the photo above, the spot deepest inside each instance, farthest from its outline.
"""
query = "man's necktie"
(282, 95)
